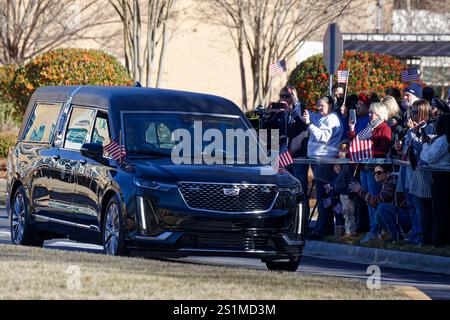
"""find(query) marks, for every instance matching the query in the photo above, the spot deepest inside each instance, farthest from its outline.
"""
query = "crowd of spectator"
(384, 202)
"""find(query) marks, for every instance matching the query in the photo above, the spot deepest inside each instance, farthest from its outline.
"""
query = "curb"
(383, 257)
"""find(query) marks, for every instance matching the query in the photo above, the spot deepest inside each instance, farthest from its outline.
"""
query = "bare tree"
(146, 34)
(265, 31)
(31, 27)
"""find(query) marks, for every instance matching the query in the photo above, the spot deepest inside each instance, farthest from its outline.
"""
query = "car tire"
(22, 231)
(290, 266)
(113, 229)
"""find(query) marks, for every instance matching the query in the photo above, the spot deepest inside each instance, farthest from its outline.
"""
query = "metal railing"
(391, 161)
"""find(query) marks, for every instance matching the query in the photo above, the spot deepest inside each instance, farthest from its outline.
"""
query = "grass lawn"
(438, 251)
(32, 273)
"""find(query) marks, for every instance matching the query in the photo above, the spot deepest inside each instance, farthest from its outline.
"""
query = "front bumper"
(248, 244)
(165, 225)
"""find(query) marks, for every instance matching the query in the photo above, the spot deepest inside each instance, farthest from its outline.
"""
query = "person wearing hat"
(428, 94)
(412, 93)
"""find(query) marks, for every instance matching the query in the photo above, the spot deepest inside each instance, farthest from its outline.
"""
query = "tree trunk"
(162, 56)
(242, 71)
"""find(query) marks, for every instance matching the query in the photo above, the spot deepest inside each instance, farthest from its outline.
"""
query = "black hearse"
(62, 183)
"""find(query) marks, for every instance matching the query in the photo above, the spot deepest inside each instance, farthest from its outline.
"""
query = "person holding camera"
(285, 116)
(325, 131)
(417, 183)
(437, 153)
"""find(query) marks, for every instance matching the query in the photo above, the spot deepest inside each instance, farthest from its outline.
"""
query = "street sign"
(332, 50)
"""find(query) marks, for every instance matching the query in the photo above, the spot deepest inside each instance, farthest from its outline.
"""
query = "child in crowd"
(341, 199)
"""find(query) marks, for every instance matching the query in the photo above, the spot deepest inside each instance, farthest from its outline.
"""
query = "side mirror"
(92, 151)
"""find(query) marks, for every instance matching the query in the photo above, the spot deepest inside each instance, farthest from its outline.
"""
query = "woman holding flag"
(373, 141)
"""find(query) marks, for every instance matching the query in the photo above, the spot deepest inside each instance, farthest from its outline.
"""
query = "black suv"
(62, 182)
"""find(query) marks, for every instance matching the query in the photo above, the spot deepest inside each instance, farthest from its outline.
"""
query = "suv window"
(42, 123)
(100, 134)
(79, 128)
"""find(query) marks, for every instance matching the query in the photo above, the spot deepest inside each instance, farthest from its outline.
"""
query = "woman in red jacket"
(374, 141)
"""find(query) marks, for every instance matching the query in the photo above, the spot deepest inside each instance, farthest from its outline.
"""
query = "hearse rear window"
(79, 129)
(42, 123)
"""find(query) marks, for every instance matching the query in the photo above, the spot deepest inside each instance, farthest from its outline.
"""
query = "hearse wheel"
(22, 231)
(290, 266)
(113, 229)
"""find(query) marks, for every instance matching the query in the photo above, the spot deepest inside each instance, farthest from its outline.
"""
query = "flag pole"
(120, 146)
(346, 85)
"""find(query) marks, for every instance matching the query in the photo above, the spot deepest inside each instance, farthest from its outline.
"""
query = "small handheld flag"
(277, 68)
(411, 74)
(116, 151)
(361, 147)
(342, 76)
(285, 157)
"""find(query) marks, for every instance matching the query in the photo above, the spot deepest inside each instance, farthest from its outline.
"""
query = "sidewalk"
(2, 191)
(381, 257)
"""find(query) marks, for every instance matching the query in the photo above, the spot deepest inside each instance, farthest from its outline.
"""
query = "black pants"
(427, 221)
(362, 215)
(440, 190)
(323, 174)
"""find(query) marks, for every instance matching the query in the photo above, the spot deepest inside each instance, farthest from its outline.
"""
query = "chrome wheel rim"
(112, 227)
(18, 219)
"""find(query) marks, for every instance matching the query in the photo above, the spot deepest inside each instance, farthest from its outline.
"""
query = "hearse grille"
(226, 241)
(228, 197)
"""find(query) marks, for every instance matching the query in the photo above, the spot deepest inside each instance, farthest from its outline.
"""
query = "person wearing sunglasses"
(390, 207)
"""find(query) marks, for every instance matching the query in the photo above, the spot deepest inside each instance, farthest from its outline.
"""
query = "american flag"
(285, 157)
(362, 147)
(277, 68)
(116, 151)
(342, 76)
(411, 74)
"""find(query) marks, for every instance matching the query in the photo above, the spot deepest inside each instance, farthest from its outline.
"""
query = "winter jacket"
(381, 139)
(325, 135)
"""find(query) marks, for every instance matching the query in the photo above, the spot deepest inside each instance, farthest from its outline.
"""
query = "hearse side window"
(79, 128)
(100, 134)
(42, 123)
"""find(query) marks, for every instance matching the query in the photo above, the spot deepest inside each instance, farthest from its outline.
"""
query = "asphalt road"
(436, 286)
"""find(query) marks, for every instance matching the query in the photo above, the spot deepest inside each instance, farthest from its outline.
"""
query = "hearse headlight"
(153, 185)
(296, 189)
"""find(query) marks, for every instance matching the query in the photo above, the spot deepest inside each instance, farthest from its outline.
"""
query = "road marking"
(413, 293)
(73, 245)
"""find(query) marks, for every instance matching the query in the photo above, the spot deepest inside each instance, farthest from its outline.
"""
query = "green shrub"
(7, 140)
(60, 67)
(369, 72)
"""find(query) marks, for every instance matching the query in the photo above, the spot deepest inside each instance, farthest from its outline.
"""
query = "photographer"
(285, 116)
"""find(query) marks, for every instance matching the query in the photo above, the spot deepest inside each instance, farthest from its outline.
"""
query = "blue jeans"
(415, 210)
(423, 210)
(300, 172)
(368, 182)
(394, 218)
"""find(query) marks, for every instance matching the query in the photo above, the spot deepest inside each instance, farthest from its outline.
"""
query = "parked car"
(62, 182)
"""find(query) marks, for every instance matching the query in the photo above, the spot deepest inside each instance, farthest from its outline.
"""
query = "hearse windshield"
(189, 135)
